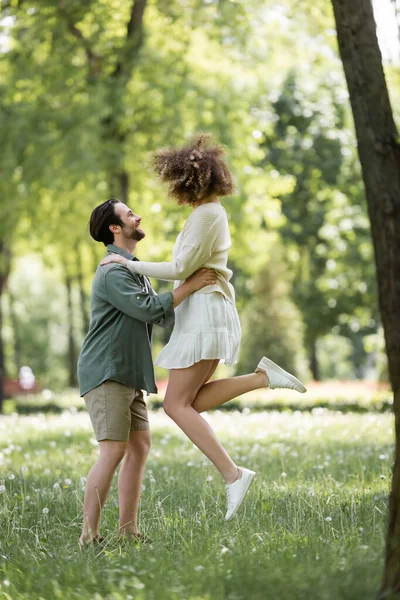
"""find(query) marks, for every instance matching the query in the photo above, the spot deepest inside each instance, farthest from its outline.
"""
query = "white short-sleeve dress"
(207, 324)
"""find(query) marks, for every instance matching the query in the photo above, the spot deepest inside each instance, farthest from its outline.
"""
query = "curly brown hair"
(194, 172)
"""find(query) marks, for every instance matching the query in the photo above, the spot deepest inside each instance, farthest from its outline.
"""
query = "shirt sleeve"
(128, 296)
(197, 246)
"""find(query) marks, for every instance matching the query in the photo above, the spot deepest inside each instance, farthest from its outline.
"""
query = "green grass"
(313, 525)
(352, 396)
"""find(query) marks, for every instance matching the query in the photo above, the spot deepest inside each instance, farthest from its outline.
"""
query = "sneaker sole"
(250, 479)
(269, 363)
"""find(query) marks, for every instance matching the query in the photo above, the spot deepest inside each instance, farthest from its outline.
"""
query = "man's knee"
(139, 444)
(113, 451)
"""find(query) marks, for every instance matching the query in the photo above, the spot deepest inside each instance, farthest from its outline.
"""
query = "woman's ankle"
(262, 377)
(234, 476)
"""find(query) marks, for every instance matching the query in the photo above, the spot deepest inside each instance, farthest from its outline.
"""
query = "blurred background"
(89, 88)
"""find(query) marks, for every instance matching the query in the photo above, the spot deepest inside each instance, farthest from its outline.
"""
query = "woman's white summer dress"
(207, 324)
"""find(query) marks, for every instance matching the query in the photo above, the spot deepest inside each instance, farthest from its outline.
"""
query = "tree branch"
(133, 41)
(92, 59)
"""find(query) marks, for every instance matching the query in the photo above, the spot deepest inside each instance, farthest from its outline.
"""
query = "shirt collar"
(116, 250)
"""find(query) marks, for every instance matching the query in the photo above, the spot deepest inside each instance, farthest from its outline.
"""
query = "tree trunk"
(5, 261)
(314, 366)
(2, 366)
(114, 134)
(82, 293)
(15, 329)
(124, 185)
(379, 154)
(71, 351)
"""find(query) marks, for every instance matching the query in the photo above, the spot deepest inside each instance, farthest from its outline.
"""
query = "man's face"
(131, 229)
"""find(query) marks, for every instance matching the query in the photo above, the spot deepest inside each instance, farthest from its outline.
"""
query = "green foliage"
(85, 97)
(325, 228)
(271, 323)
(39, 323)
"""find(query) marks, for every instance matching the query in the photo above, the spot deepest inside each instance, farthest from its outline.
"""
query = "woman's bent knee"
(175, 411)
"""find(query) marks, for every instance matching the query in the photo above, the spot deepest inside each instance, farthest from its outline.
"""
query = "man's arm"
(125, 294)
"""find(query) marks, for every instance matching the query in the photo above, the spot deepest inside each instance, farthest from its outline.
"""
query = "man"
(115, 365)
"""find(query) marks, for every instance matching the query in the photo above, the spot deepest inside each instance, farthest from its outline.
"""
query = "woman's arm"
(197, 247)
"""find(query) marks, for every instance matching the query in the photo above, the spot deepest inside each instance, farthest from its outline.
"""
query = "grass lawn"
(313, 525)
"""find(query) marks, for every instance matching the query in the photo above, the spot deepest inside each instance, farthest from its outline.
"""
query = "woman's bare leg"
(218, 392)
(183, 386)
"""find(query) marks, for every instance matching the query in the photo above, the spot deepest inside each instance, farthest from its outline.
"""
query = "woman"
(207, 327)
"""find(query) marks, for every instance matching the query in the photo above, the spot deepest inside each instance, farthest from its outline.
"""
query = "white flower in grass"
(328, 519)
(45, 511)
(47, 472)
(83, 480)
(52, 444)
(224, 550)
(210, 478)
(383, 477)
(283, 475)
(67, 433)
(6, 582)
(24, 469)
(2, 488)
(199, 568)
(56, 486)
(67, 481)
(11, 476)
(383, 456)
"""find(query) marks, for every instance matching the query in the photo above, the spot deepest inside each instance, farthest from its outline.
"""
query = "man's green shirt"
(118, 345)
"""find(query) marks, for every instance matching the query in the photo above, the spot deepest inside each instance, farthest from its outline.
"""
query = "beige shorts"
(115, 410)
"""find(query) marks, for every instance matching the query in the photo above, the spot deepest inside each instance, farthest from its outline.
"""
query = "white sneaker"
(279, 378)
(236, 492)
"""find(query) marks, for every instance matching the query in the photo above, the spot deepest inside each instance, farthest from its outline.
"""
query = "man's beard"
(132, 234)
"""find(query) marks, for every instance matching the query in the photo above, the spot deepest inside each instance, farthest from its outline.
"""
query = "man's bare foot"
(85, 541)
(134, 536)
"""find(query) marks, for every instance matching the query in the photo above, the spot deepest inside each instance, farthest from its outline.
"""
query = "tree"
(4, 272)
(271, 322)
(379, 153)
(309, 142)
